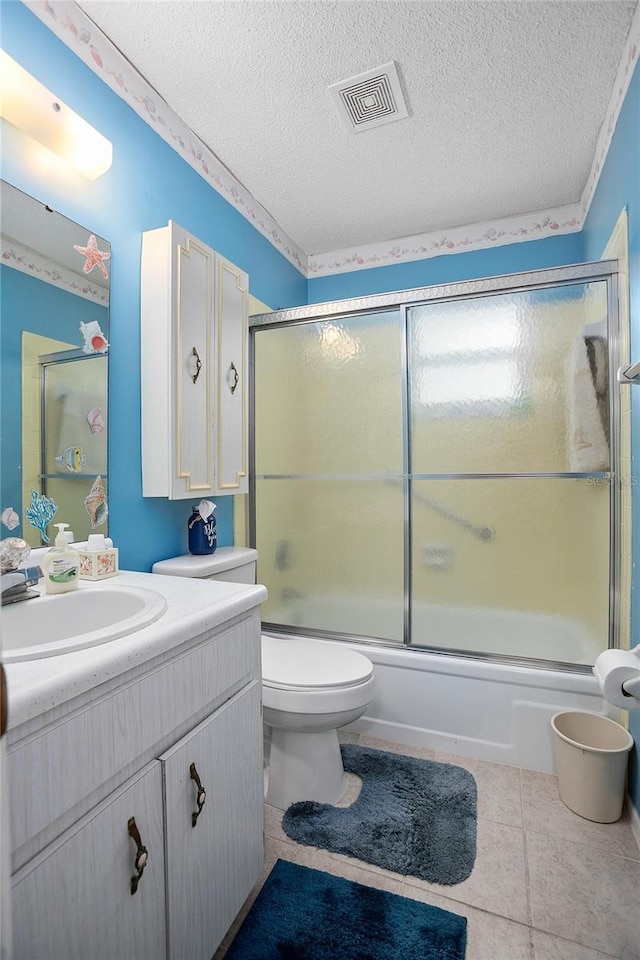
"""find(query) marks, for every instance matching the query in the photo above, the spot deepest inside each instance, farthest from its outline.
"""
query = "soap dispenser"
(61, 565)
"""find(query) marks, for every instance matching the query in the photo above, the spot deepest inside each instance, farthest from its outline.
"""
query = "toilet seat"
(306, 665)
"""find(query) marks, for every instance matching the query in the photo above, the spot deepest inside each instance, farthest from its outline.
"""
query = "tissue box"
(98, 564)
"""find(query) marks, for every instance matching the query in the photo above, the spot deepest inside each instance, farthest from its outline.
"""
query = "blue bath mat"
(303, 914)
(414, 817)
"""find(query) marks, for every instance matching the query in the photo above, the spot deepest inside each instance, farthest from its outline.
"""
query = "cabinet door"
(73, 901)
(212, 866)
(194, 370)
(178, 368)
(232, 330)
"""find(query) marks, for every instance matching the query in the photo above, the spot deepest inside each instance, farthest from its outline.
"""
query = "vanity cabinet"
(194, 362)
(145, 749)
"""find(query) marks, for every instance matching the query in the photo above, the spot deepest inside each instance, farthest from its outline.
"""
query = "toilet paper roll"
(613, 668)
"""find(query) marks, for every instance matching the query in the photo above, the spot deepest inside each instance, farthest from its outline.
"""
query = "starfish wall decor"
(94, 257)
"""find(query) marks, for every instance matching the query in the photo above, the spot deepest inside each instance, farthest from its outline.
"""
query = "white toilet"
(309, 689)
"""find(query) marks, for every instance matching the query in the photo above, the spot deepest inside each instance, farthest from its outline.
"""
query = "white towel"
(587, 441)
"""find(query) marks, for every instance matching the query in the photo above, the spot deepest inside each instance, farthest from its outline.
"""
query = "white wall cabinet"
(194, 364)
(72, 896)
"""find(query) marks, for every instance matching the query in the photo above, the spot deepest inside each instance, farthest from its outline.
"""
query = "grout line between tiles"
(527, 880)
(557, 936)
(580, 843)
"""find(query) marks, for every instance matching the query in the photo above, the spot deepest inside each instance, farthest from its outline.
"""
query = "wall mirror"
(54, 339)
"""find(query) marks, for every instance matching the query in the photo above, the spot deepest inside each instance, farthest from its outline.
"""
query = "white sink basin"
(50, 625)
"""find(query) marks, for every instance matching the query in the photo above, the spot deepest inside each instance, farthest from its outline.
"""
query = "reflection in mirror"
(54, 337)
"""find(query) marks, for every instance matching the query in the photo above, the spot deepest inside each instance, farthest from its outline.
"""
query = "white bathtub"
(478, 708)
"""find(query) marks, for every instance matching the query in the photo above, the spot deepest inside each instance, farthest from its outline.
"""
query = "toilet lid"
(311, 664)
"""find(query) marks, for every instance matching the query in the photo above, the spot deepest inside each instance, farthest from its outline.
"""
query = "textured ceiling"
(506, 100)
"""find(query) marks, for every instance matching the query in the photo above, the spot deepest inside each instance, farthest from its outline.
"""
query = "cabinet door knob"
(194, 376)
(236, 377)
(142, 855)
(201, 795)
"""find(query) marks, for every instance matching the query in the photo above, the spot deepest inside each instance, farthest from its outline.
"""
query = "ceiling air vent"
(370, 99)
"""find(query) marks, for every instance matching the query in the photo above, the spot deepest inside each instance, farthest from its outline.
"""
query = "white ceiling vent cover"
(370, 99)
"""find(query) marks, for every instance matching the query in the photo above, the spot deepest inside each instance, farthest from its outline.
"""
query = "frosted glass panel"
(512, 383)
(331, 554)
(328, 397)
(498, 385)
(512, 566)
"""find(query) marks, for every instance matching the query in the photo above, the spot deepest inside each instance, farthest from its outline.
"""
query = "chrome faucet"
(14, 582)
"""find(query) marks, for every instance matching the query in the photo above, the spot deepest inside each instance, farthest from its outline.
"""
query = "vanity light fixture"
(34, 110)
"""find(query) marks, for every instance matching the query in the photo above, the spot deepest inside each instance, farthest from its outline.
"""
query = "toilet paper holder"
(631, 688)
(618, 675)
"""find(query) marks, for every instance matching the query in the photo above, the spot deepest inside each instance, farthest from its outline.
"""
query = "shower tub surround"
(472, 707)
(415, 453)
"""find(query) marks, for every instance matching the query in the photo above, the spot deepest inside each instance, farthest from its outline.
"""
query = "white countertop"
(194, 608)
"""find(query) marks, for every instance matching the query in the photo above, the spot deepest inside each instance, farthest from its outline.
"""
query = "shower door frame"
(45, 363)
(404, 300)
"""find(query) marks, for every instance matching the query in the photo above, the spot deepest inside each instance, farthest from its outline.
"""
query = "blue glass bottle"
(203, 537)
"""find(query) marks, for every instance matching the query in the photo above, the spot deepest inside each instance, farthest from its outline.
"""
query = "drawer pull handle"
(142, 855)
(194, 376)
(236, 377)
(201, 795)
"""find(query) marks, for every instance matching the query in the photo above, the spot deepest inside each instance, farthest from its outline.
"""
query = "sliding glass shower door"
(438, 474)
(510, 453)
(329, 507)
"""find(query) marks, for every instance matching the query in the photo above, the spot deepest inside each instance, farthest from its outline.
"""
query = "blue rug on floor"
(303, 914)
(414, 817)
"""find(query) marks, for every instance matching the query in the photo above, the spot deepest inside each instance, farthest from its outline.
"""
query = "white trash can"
(592, 752)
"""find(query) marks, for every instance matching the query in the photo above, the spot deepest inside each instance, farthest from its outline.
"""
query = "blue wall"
(512, 258)
(619, 187)
(147, 185)
(27, 303)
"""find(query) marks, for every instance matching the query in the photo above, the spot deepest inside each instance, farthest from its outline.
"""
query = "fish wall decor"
(73, 458)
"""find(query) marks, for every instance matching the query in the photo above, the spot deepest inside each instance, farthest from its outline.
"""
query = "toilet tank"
(234, 564)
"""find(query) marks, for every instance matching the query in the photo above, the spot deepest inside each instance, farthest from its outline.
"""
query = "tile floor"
(547, 884)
